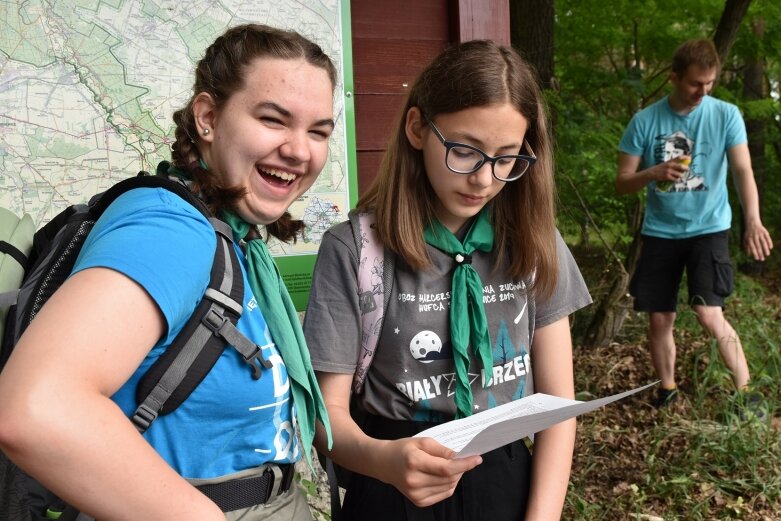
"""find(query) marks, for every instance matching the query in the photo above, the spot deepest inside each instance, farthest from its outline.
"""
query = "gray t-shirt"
(412, 376)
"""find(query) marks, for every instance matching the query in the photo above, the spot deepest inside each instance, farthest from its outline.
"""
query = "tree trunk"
(727, 31)
(754, 89)
(614, 306)
(531, 33)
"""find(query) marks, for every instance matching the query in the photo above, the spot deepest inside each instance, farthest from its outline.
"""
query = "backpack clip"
(251, 360)
(252, 353)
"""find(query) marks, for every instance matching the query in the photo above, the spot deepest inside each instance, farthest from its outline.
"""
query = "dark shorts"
(660, 269)
(495, 490)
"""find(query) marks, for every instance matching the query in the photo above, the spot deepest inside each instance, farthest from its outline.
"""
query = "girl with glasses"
(480, 292)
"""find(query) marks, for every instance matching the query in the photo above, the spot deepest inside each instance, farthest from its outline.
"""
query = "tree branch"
(583, 205)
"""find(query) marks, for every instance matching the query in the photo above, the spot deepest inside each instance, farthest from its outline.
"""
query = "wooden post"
(480, 19)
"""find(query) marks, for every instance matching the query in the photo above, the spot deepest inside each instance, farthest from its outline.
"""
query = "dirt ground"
(612, 449)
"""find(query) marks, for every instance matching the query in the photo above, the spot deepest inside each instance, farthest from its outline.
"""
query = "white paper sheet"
(493, 428)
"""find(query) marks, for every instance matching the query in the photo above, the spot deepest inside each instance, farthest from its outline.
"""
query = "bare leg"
(662, 346)
(712, 319)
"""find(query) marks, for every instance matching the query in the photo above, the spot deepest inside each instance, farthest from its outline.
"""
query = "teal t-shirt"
(231, 422)
(698, 203)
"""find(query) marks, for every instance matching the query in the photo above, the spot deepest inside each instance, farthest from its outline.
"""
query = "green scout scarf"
(283, 323)
(468, 323)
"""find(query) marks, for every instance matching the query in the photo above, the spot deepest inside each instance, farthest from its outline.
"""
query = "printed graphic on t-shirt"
(670, 146)
(277, 406)
(419, 324)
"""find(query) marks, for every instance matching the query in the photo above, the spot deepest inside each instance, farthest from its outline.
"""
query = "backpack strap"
(375, 277)
(8, 299)
(211, 327)
(195, 350)
(15, 253)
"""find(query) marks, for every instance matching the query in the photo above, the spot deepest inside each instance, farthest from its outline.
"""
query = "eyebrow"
(479, 143)
(326, 122)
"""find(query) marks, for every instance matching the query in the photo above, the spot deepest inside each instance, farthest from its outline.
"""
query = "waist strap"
(242, 493)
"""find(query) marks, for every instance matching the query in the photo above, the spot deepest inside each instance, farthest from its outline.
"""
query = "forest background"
(600, 61)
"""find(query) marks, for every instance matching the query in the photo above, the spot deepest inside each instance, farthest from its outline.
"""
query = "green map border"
(297, 270)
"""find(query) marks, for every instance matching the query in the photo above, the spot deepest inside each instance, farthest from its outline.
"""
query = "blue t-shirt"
(698, 203)
(231, 422)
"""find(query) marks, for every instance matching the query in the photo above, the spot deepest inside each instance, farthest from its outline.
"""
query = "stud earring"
(206, 132)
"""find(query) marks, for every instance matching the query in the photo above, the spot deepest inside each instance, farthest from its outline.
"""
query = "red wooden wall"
(392, 41)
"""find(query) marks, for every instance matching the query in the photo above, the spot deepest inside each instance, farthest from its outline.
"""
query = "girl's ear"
(414, 126)
(205, 114)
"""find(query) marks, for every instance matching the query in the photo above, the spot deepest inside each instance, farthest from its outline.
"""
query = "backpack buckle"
(250, 352)
(256, 361)
(143, 417)
(366, 302)
(214, 321)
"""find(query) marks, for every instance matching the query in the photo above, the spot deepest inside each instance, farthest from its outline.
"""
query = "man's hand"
(631, 180)
(672, 170)
(757, 241)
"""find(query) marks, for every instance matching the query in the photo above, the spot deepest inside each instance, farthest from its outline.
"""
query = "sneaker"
(750, 406)
(665, 397)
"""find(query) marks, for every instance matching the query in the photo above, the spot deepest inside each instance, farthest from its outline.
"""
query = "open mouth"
(276, 177)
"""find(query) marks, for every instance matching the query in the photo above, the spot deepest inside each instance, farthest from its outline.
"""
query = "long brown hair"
(222, 72)
(472, 74)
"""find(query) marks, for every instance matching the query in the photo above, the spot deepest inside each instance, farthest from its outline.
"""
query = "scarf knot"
(463, 258)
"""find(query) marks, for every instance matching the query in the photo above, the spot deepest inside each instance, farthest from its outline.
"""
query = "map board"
(88, 88)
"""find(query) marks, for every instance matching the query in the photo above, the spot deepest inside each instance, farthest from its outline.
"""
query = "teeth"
(285, 176)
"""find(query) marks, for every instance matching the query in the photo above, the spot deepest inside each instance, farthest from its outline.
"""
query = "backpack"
(173, 377)
(16, 241)
(375, 280)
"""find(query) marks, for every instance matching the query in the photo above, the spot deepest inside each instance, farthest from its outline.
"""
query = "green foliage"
(763, 109)
(316, 493)
(612, 58)
(700, 462)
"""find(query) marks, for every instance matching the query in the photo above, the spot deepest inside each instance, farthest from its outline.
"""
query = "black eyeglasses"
(461, 158)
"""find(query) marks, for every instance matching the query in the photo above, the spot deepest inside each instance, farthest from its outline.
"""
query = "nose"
(295, 147)
(483, 176)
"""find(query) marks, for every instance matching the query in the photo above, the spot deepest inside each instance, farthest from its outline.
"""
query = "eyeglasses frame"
(449, 145)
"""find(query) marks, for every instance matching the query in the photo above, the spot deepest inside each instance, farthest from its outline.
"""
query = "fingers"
(429, 496)
(758, 243)
(443, 460)
(427, 471)
(673, 169)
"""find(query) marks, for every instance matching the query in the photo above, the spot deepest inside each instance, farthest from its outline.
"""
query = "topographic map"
(88, 87)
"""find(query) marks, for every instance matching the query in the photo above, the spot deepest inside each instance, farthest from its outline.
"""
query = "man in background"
(678, 148)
